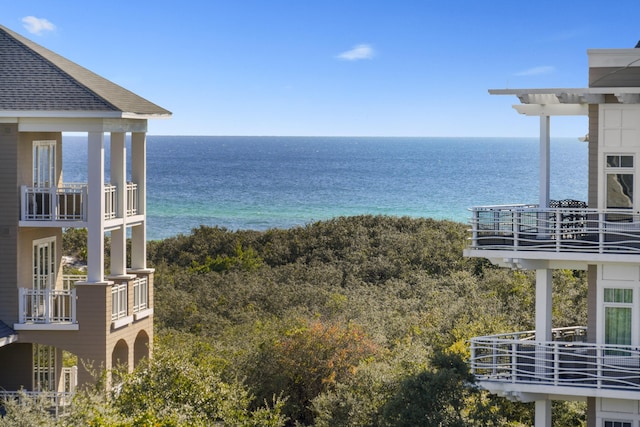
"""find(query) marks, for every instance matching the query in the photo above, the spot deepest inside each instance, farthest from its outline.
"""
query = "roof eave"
(81, 114)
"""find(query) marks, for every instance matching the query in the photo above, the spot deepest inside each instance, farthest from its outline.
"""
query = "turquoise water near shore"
(280, 182)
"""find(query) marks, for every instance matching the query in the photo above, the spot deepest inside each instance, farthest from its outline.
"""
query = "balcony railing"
(46, 306)
(110, 201)
(530, 228)
(54, 400)
(132, 199)
(69, 202)
(565, 362)
(65, 203)
(118, 301)
(50, 306)
(140, 294)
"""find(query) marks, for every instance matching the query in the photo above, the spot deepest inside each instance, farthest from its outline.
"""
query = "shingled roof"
(35, 80)
(7, 335)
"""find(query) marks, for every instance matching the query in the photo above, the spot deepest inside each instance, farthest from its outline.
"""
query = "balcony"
(48, 309)
(69, 203)
(515, 363)
(572, 232)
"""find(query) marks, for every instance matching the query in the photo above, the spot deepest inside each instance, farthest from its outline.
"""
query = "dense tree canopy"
(355, 321)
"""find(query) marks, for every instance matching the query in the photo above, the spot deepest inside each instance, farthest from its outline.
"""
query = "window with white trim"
(619, 174)
(616, 423)
(44, 263)
(44, 164)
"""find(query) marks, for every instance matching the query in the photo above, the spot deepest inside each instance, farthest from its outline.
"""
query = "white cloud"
(361, 51)
(536, 71)
(37, 25)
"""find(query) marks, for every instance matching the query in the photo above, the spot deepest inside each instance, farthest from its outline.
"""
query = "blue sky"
(333, 67)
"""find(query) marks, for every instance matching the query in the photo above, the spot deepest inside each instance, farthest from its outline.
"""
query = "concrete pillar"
(544, 282)
(545, 168)
(139, 176)
(95, 226)
(119, 179)
(543, 413)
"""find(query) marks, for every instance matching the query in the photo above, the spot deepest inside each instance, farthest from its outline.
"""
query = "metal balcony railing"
(530, 228)
(566, 361)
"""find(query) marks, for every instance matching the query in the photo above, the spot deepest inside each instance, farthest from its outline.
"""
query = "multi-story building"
(598, 362)
(49, 320)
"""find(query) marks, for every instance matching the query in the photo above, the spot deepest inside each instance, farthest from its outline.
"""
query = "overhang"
(7, 335)
(567, 101)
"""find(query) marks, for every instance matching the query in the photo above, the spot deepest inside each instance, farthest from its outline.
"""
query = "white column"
(139, 176)
(95, 220)
(544, 285)
(544, 282)
(543, 413)
(545, 168)
(119, 179)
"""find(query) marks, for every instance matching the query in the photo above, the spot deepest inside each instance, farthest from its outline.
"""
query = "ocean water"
(280, 182)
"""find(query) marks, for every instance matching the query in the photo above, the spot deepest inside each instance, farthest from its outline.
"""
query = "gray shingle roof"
(5, 331)
(33, 78)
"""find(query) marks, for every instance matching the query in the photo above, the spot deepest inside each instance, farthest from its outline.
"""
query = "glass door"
(44, 264)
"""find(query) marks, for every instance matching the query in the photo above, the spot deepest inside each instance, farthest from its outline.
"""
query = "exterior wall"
(618, 410)
(95, 341)
(19, 357)
(614, 67)
(8, 222)
(25, 154)
(614, 77)
(25, 253)
(619, 133)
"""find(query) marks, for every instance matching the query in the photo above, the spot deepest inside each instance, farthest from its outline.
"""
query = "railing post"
(555, 365)
(47, 305)
(517, 218)
(599, 361)
(21, 305)
(558, 228)
(514, 362)
(601, 242)
(73, 306)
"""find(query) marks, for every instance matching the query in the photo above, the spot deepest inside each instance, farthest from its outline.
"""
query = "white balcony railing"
(565, 362)
(140, 294)
(530, 228)
(52, 399)
(118, 301)
(69, 202)
(65, 203)
(110, 201)
(69, 280)
(132, 199)
(46, 306)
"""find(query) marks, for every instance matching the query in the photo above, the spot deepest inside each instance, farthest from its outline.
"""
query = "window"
(44, 263)
(612, 423)
(44, 368)
(619, 181)
(618, 304)
(44, 163)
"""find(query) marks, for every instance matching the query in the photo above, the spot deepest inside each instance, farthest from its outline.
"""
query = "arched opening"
(120, 356)
(140, 348)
